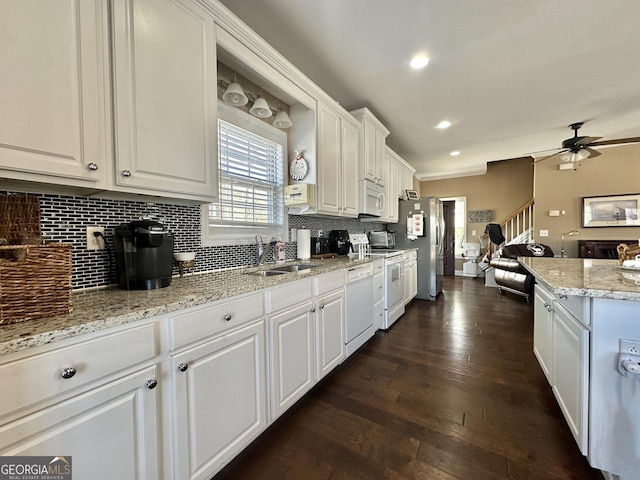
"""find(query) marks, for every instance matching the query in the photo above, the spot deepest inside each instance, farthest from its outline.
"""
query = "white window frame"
(242, 234)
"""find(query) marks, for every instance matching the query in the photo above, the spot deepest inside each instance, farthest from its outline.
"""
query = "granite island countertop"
(585, 277)
(110, 307)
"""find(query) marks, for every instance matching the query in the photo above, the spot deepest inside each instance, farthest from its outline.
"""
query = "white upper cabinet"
(53, 125)
(405, 178)
(372, 146)
(391, 188)
(337, 163)
(164, 57)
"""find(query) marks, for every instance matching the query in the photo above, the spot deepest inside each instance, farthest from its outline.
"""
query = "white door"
(220, 400)
(329, 332)
(109, 432)
(291, 339)
(53, 92)
(165, 97)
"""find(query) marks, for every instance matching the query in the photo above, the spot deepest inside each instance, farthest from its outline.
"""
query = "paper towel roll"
(303, 237)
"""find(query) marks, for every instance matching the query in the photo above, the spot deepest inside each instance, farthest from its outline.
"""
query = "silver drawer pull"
(562, 295)
(68, 372)
(227, 317)
(548, 307)
(151, 384)
(183, 367)
(126, 173)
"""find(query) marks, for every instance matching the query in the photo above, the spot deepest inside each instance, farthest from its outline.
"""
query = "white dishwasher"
(358, 306)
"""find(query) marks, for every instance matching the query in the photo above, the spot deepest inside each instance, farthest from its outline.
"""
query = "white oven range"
(393, 284)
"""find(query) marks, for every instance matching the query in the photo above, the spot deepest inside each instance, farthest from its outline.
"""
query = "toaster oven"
(382, 239)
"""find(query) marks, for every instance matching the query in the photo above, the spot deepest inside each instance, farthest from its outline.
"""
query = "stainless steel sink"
(293, 268)
(265, 273)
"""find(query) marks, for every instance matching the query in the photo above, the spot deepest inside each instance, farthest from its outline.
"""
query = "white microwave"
(372, 201)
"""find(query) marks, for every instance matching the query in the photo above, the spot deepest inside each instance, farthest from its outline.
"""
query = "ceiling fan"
(577, 148)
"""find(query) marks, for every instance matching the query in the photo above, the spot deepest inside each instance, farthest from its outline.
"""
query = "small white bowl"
(184, 256)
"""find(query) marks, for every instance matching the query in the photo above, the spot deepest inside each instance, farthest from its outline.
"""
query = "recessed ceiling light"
(444, 124)
(455, 153)
(419, 61)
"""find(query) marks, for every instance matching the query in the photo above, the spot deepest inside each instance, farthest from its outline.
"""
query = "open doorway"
(449, 244)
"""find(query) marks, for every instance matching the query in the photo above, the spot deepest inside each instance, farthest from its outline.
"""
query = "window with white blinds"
(251, 177)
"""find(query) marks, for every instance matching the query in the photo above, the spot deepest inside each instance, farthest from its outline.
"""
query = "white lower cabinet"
(291, 356)
(410, 275)
(561, 345)
(542, 322)
(220, 400)
(570, 372)
(329, 320)
(94, 400)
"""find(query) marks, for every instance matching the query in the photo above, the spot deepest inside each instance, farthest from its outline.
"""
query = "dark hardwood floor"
(451, 391)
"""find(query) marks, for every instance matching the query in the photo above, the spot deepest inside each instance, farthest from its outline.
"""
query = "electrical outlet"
(630, 346)
(320, 233)
(294, 236)
(473, 233)
(95, 242)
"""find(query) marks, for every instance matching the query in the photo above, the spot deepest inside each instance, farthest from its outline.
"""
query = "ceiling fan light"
(567, 156)
(582, 154)
(234, 95)
(260, 108)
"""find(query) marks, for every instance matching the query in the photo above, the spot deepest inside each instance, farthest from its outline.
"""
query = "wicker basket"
(35, 281)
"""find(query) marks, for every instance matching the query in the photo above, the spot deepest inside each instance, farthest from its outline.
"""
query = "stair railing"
(519, 225)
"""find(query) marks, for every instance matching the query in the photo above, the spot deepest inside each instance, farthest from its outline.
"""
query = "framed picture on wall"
(611, 211)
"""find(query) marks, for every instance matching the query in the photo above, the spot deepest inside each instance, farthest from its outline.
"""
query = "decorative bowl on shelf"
(184, 256)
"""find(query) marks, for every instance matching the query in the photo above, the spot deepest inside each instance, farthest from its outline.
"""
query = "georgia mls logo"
(35, 468)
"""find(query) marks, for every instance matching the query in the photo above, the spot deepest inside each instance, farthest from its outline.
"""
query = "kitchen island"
(586, 333)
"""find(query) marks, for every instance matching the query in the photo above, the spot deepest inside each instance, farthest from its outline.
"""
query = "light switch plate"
(554, 213)
(544, 233)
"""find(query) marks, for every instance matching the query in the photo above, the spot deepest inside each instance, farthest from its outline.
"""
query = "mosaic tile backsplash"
(65, 218)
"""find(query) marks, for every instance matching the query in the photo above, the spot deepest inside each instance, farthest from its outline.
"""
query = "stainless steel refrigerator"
(421, 225)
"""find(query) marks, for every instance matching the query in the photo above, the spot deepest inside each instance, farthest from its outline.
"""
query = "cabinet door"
(165, 98)
(369, 165)
(570, 366)
(291, 357)
(391, 188)
(53, 126)
(413, 277)
(110, 431)
(328, 160)
(542, 318)
(330, 346)
(220, 400)
(381, 166)
(349, 170)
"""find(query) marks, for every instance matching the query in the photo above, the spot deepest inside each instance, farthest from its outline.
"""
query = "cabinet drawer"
(410, 255)
(288, 295)
(39, 377)
(579, 307)
(214, 318)
(328, 282)
(378, 287)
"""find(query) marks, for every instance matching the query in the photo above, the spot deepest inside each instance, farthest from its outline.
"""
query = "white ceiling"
(510, 75)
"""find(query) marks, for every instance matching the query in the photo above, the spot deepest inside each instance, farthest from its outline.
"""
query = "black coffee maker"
(144, 255)
(339, 242)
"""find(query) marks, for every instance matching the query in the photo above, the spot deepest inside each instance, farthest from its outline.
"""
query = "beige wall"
(616, 171)
(505, 187)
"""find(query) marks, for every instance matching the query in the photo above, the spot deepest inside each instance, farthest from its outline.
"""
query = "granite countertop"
(585, 277)
(100, 309)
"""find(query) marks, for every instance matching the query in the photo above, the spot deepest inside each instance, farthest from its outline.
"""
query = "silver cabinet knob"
(92, 166)
(322, 307)
(68, 372)
(313, 310)
(151, 384)
(183, 367)
(227, 317)
(126, 173)
(562, 295)
(548, 307)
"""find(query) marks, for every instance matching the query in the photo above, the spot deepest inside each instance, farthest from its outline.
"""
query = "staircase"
(518, 227)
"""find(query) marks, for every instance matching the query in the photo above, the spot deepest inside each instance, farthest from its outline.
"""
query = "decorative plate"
(298, 168)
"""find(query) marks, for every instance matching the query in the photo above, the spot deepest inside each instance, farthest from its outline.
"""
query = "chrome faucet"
(260, 245)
